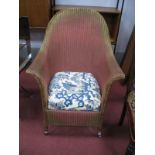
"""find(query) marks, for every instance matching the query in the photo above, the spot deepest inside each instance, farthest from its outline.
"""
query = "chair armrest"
(109, 71)
(39, 71)
(115, 72)
(112, 73)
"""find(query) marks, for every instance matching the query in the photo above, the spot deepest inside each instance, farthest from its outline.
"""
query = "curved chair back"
(77, 40)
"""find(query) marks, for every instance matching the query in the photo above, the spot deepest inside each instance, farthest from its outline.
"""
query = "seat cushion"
(74, 91)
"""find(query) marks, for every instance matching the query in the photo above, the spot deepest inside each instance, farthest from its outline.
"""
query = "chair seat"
(74, 91)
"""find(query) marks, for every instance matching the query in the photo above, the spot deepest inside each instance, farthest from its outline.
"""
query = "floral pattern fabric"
(74, 91)
(131, 100)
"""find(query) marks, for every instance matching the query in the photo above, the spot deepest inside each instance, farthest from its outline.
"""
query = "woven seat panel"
(74, 118)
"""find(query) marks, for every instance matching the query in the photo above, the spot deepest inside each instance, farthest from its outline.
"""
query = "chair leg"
(45, 122)
(130, 148)
(45, 131)
(125, 81)
(99, 134)
(123, 113)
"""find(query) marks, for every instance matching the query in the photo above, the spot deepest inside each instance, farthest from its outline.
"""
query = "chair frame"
(74, 118)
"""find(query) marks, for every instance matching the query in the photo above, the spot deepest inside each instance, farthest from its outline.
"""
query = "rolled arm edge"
(115, 71)
(115, 75)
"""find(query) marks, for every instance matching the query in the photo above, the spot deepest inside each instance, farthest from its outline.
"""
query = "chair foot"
(99, 134)
(46, 132)
(130, 149)
(124, 111)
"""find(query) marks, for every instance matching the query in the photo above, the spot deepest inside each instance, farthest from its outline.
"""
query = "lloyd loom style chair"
(77, 55)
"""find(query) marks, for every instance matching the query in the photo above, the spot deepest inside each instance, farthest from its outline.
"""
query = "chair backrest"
(77, 40)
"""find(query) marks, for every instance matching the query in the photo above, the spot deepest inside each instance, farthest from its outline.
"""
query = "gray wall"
(127, 20)
(126, 27)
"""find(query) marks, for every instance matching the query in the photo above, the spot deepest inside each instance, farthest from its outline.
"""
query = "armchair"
(76, 40)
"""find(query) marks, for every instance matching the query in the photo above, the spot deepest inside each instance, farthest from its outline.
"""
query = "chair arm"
(39, 71)
(114, 73)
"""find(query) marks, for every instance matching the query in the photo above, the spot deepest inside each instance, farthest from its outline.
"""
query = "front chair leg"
(45, 131)
(45, 124)
(99, 134)
(123, 113)
(130, 149)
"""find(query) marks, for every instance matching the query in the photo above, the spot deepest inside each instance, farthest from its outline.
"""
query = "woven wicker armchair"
(76, 40)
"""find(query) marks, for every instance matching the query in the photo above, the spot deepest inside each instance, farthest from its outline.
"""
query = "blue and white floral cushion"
(74, 91)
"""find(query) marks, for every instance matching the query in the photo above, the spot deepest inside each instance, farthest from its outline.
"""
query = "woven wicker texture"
(76, 40)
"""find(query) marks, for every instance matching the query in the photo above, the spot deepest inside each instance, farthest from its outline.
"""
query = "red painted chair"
(76, 40)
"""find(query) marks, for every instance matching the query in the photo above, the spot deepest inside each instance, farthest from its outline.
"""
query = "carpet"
(70, 140)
